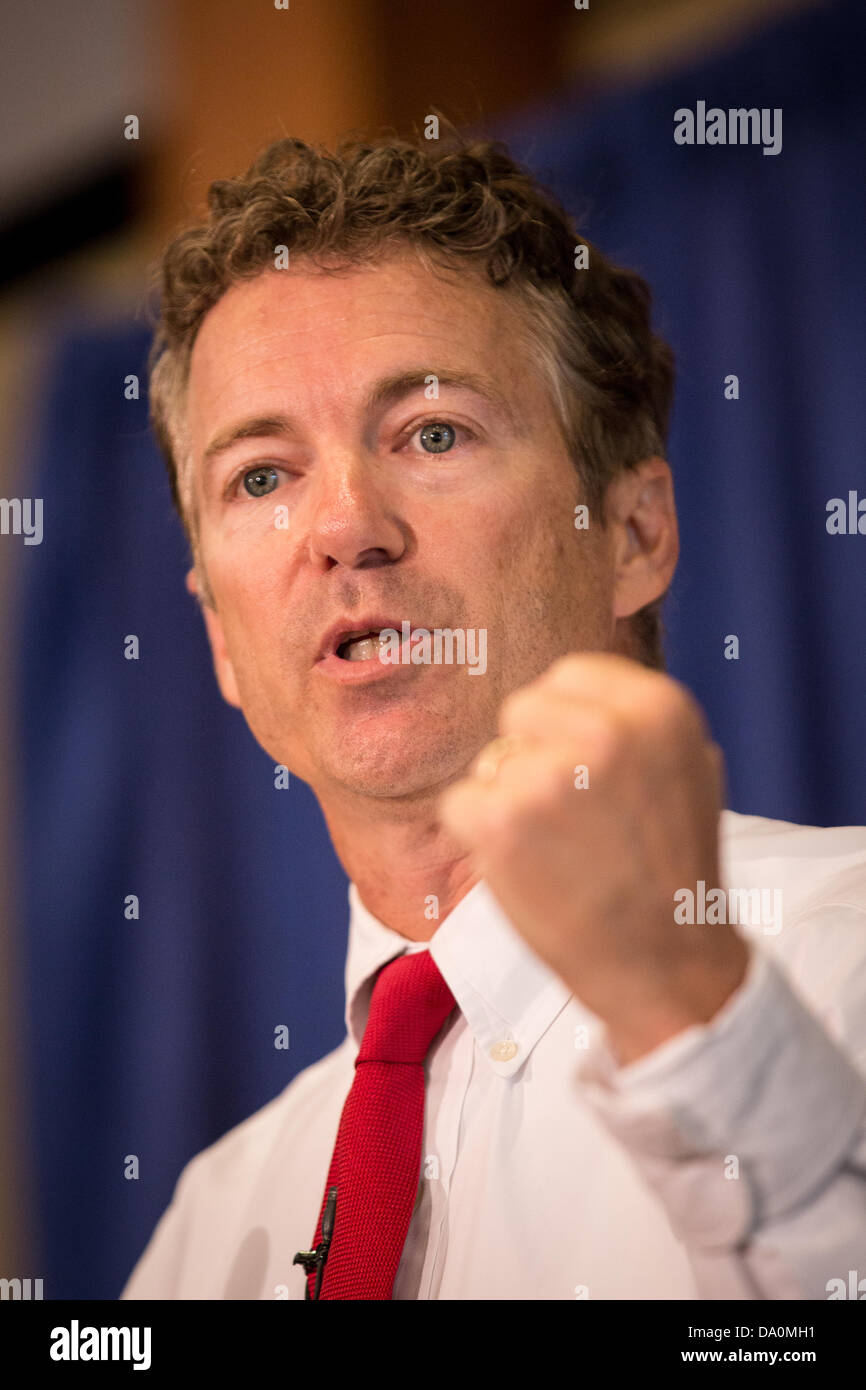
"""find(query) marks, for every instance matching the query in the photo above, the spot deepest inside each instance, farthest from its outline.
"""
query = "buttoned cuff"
(736, 1121)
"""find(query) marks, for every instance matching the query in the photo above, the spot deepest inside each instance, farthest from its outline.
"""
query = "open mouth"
(360, 646)
(371, 642)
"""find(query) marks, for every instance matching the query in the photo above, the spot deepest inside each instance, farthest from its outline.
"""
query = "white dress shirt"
(728, 1163)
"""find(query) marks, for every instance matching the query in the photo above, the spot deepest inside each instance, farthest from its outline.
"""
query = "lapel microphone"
(315, 1259)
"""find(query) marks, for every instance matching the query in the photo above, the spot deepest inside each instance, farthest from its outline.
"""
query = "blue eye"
(437, 436)
(258, 482)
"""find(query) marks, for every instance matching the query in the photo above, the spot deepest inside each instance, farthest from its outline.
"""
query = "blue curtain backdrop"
(151, 1037)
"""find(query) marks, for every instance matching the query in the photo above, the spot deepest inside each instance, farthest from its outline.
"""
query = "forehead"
(309, 333)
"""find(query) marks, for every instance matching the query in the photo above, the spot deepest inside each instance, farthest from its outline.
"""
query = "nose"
(353, 521)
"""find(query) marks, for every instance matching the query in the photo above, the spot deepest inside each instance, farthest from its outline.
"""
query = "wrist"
(691, 996)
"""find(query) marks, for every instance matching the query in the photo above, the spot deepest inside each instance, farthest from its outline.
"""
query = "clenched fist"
(586, 864)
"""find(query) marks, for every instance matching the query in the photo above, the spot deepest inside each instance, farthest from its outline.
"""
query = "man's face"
(353, 519)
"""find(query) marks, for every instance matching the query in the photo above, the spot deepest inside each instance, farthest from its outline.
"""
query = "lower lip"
(336, 668)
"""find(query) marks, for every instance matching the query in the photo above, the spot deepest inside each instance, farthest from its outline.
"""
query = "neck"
(408, 872)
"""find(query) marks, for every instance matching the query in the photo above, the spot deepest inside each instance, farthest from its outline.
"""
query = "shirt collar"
(507, 995)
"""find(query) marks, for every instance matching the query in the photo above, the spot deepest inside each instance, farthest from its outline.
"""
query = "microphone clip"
(312, 1260)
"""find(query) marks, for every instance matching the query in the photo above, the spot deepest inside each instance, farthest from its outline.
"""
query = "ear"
(222, 665)
(642, 520)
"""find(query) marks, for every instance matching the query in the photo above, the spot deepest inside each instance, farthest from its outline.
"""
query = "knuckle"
(502, 831)
(518, 708)
(542, 790)
(679, 714)
(566, 672)
(607, 733)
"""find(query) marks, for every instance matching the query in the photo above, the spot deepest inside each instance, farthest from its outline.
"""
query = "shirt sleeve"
(752, 1131)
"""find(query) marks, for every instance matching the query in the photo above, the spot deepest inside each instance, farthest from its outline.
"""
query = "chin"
(397, 767)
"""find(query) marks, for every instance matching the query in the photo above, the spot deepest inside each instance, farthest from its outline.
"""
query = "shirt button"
(503, 1051)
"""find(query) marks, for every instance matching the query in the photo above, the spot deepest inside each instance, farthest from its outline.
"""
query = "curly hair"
(456, 202)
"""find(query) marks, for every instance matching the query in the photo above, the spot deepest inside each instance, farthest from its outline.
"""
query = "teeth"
(361, 648)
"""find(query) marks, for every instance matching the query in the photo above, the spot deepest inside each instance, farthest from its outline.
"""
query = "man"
(400, 397)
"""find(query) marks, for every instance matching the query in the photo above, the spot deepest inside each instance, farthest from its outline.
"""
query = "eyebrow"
(385, 393)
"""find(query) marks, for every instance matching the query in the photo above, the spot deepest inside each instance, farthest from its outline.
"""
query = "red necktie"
(376, 1166)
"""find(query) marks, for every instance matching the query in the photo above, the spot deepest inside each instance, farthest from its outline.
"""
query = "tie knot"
(409, 1004)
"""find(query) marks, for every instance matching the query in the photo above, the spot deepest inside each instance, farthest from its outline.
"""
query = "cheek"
(266, 676)
(248, 573)
(561, 580)
(256, 627)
